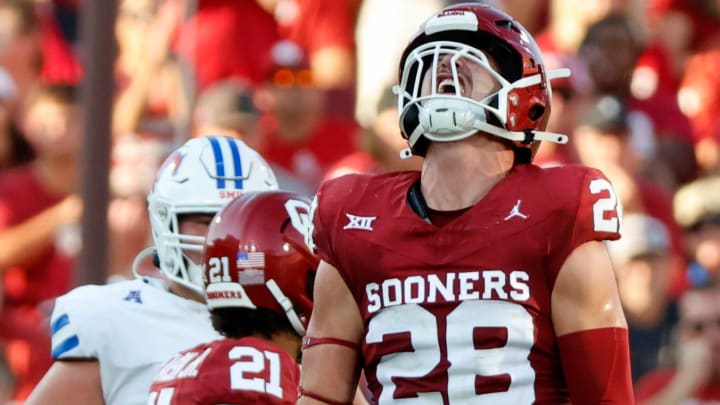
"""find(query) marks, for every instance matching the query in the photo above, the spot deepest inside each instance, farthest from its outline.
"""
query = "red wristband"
(319, 397)
(309, 341)
(596, 364)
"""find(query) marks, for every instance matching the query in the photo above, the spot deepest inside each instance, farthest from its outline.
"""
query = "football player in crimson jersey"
(109, 341)
(481, 279)
(258, 273)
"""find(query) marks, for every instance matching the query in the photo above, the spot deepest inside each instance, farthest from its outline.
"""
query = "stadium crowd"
(307, 84)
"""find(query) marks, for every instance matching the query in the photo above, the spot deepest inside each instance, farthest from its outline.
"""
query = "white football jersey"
(131, 328)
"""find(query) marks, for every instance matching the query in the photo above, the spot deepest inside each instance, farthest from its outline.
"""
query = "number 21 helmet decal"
(256, 256)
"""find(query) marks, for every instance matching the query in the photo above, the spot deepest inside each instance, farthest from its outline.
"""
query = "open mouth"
(447, 85)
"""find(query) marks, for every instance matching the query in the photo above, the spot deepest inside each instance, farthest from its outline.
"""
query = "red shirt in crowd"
(310, 158)
(49, 273)
(655, 381)
(318, 24)
(23, 327)
(228, 38)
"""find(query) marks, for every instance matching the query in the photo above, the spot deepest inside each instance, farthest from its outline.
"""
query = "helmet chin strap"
(453, 120)
(515, 136)
(406, 153)
(448, 120)
(520, 136)
(286, 305)
(444, 120)
(148, 251)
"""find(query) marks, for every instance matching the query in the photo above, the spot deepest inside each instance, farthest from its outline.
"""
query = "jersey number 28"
(487, 355)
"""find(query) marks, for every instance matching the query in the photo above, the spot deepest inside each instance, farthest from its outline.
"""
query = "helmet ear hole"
(536, 112)
(410, 120)
(507, 24)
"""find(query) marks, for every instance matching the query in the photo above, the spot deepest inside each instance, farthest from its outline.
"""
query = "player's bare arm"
(585, 294)
(69, 383)
(334, 366)
(591, 328)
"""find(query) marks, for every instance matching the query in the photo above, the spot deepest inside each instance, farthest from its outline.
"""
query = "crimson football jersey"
(228, 371)
(461, 313)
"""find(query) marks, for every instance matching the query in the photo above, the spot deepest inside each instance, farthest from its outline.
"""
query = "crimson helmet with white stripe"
(517, 112)
(256, 256)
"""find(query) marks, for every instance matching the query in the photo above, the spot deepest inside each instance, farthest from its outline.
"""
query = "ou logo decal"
(299, 212)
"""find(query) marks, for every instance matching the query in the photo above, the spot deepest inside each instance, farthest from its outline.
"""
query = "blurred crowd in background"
(307, 83)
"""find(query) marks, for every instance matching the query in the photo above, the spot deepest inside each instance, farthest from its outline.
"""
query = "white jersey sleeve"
(131, 327)
(77, 324)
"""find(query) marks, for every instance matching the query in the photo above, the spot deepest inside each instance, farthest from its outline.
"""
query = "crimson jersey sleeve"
(323, 219)
(591, 211)
(228, 371)
(599, 210)
(328, 214)
(321, 238)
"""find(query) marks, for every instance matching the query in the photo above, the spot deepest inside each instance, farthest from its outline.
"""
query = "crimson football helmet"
(256, 255)
(443, 111)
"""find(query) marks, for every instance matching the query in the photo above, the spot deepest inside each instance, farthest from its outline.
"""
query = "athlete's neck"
(456, 175)
(288, 341)
(184, 292)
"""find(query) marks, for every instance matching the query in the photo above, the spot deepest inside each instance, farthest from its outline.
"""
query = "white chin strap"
(148, 251)
(286, 305)
(515, 136)
(519, 136)
(447, 124)
(452, 120)
(449, 119)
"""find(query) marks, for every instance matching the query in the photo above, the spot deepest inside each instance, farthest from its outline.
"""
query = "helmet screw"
(514, 99)
(512, 120)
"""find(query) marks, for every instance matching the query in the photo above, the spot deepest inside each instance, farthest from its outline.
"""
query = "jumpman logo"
(515, 212)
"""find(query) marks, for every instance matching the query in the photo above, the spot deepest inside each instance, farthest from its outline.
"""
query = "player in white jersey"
(110, 341)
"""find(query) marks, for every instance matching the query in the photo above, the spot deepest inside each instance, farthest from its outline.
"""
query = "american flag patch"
(250, 260)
